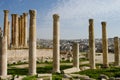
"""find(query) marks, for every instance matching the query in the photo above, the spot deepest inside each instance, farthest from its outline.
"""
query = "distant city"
(66, 45)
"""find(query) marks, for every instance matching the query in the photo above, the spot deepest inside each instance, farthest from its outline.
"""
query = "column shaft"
(104, 45)
(116, 51)
(91, 44)
(16, 30)
(56, 44)
(76, 55)
(8, 35)
(32, 43)
(25, 29)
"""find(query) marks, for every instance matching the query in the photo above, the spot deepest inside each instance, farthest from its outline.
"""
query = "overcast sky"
(74, 16)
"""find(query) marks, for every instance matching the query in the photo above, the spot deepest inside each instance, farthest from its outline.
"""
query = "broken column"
(32, 43)
(56, 44)
(116, 51)
(104, 45)
(25, 29)
(76, 55)
(91, 44)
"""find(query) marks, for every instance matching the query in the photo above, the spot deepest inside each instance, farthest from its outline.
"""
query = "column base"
(56, 71)
(105, 65)
(7, 77)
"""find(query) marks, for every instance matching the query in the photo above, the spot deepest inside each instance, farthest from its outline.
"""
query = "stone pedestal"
(76, 55)
(32, 43)
(91, 44)
(116, 51)
(104, 45)
(56, 44)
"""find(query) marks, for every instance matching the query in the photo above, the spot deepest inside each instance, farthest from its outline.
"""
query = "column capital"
(56, 16)
(6, 11)
(103, 23)
(91, 21)
(32, 13)
(25, 14)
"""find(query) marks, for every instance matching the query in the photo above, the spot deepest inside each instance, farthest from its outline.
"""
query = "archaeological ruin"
(14, 37)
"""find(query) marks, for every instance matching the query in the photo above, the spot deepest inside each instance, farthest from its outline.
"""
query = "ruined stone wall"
(22, 54)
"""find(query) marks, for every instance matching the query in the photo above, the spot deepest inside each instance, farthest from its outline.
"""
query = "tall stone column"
(25, 29)
(104, 45)
(8, 35)
(22, 29)
(76, 55)
(116, 51)
(13, 30)
(5, 22)
(32, 43)
(16, 30)
(56, 44)
(91, 44)
(3, 55)
(19, 23)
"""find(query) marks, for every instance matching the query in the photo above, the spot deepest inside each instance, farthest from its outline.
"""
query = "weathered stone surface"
(116, 51)
(76, 55)
(56, 44)
(32, 43)
(91, 44)
(104, 45)
(25, 29)
(71, 70)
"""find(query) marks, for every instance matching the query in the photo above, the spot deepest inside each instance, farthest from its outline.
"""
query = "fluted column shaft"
(32, 43)
(104, 45)
(22, 29)
(116, 51)
(91, 44)
(56, 44)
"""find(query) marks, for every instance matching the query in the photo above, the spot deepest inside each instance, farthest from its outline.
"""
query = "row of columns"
(32, 42)
(19, 30)
(56, 43)
(104, 46)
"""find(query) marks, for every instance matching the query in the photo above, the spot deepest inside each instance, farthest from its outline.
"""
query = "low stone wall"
(22, 54)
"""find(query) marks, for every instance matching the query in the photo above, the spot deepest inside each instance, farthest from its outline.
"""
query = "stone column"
(104, 45)
(76, 55)
(8, 35)
(19, 23)
(56, 44)
(22, 29)
(16, 30)
(25, 29)
(13, 30)
(32, 43)
(3, 55)
(116, 51)
(91, 44)
(5, 22)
